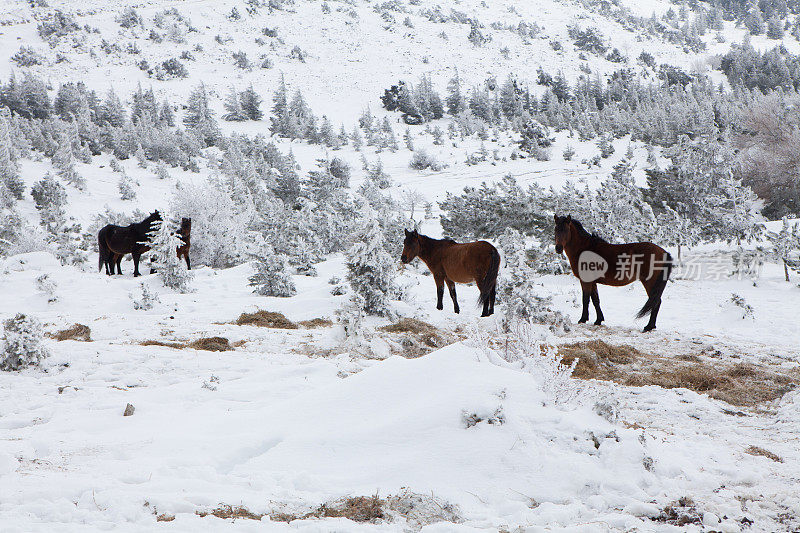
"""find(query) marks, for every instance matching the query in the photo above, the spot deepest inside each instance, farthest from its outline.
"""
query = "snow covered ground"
(292, 419)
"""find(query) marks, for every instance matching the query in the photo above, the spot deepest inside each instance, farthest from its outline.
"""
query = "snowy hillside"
(300, 377)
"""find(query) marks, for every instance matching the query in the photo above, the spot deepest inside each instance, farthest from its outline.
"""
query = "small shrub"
(129, 18)
(27, 57)
(22, 343)
(421, 160)
(265, 319)
(241, 61)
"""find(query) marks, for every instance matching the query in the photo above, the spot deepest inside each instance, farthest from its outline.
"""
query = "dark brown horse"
(113, 242)
(451, 263)
(185, 233)
(594, 261)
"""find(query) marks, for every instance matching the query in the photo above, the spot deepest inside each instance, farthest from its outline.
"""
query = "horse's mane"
(594, 238)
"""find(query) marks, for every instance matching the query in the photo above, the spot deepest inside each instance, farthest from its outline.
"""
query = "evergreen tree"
(270, 277)
(370, 269)
(199, 117)
(125, 186)
(737, 209)
(164, 241)
(64, 161)
(356, 139)
(280, 111)
(233, 107)
(251, 104)
(784, 244)
(112, 112)
(620, 209)
(10, 180)
(454, 100)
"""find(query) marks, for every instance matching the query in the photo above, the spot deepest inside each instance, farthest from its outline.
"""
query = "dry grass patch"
(316, 323)
(265, 319)
(739, 384)
(230, 512)
(418, 338)
(164, 517)
(76, 332)
(166, 344)
(757, 450)
(211, 344)
(357, 509)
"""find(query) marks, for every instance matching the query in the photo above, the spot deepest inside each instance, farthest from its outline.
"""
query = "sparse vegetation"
(265, 319)
(76, 332)
(739, 384)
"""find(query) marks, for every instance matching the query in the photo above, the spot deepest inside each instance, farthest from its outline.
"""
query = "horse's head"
(155, 215)
(562, 231)
(410, 246)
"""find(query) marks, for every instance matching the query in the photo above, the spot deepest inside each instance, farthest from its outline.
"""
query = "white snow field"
(291, 422)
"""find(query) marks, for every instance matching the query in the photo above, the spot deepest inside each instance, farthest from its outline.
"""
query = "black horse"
(114, 242)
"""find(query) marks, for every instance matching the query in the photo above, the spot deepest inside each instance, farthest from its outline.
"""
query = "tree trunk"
(786, 270)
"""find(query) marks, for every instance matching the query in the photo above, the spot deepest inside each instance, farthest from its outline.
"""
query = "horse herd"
(592, 260)
(115, 242)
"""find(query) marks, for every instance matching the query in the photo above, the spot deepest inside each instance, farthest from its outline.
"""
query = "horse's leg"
(118, 258)
(491, 299)
(587, 293)
(188, 264)
(596, 302)
(136, 264)
(439, 279)
(452, 287)
(653, 288)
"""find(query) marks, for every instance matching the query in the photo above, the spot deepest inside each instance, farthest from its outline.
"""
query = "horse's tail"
(658, 289)
(490, 279)
(102, 249)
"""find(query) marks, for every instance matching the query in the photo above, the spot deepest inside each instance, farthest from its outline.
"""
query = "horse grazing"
(185, 233)
(594, 261)
(451, 263)
(114, 242)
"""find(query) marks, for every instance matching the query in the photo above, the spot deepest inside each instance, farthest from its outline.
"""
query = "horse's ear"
(555, 218)
(569, 218)
(407, 232)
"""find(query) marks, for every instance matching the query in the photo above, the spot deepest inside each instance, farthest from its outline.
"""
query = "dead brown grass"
(757, 450)
(176, 345)
(316, 323)
(164, 517)
(211, 344)
(76, 332)
(418, 338)
(739, 384)
(357, 509)
(265, 319)
(231, 512)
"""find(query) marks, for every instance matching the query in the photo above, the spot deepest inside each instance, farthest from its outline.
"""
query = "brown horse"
(451, 263)
(185, 233)
(594, 261)
(113, 242)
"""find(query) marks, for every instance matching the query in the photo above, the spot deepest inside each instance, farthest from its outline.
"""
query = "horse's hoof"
(598, 323)
(583, 320)
(648, 328)
(456, 311)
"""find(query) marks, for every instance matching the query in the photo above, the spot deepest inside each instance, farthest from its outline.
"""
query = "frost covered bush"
(351, 316)
(129, 18)
(26, 56)
(164, 240)
(146, 301)
(47, 286)
(219, 229)
(422, 160)
(22, 343)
